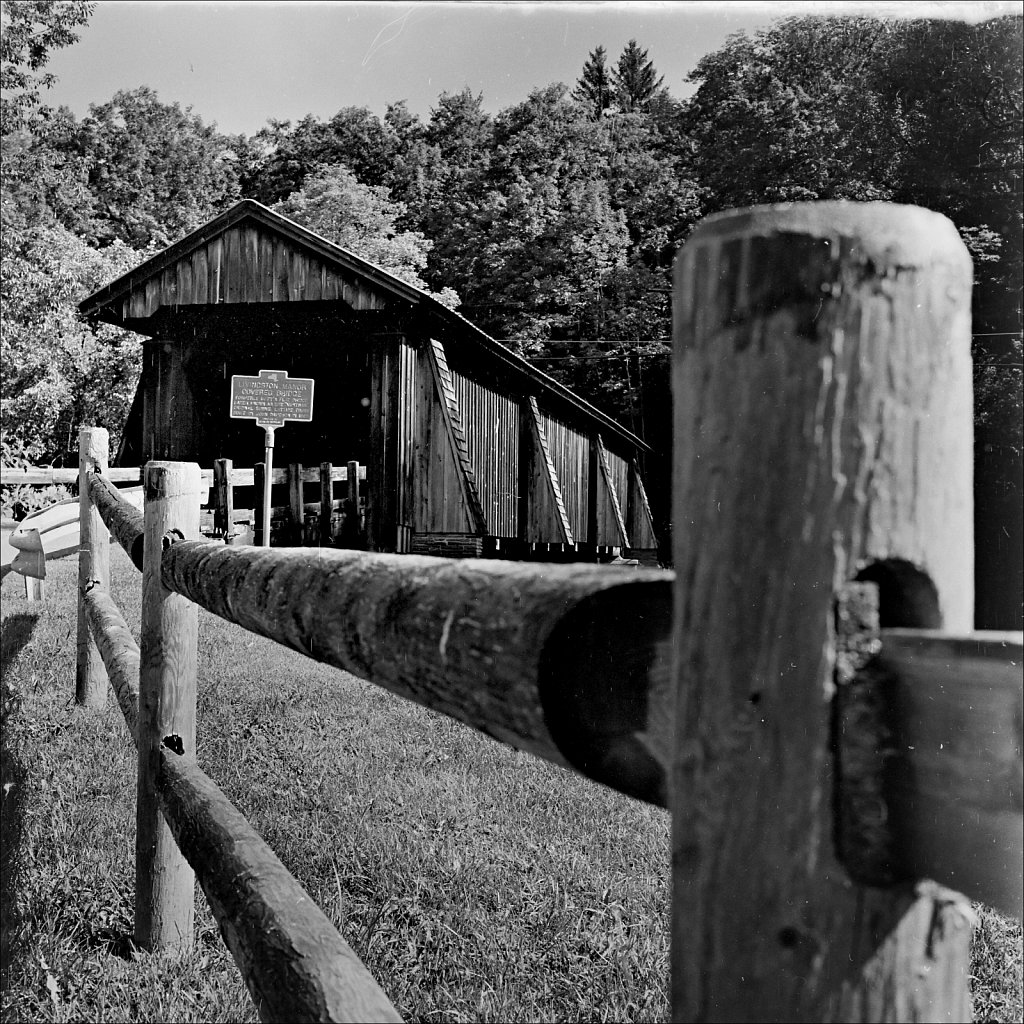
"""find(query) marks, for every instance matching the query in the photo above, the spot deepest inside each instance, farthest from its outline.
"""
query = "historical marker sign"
(272, 399)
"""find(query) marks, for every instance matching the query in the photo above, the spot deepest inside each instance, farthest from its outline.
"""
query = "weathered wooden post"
(259, 477)
(93, 567)
(224, 498)
(164, 883)
(352, 487)
(326, 500)
(823, 424)
(298, 514)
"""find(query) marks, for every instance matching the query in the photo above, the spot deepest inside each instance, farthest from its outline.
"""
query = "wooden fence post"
(164, 883)
(823, 424)
(295, 500)
(259, 476)
(93, 567)
(224, 498)
(352, 489)
(326, 499)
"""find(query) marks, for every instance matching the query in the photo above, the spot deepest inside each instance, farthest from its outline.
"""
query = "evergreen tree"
(634, 79)
(594, 90)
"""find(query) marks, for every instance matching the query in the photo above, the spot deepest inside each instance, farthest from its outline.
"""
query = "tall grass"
(476, 882)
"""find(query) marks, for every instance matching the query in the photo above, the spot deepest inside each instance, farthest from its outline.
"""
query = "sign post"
(271, 399)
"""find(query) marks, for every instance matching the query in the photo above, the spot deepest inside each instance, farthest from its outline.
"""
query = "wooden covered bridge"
(469, 449)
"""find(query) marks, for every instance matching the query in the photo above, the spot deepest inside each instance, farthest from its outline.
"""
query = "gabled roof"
(172, 277)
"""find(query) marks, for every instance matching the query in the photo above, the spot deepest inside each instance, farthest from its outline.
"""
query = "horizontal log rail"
(554, 662)
(12, 476)
(122, 519)
(119, 651)
(294, 963)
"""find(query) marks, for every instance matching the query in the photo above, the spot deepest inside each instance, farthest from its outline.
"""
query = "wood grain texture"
(12, 476)
(640, 521)
(224, 497)
(823, 422)
(555, 662)
(164, 883)
(612, 492)
(452, 415)
(93, 569)
(120, 516)
(550, 486)
(292, 959)
(119, 651)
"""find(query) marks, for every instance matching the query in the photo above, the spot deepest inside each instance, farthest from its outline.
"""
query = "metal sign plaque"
(272, 399)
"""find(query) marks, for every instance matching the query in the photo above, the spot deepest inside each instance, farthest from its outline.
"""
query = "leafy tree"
(32, 29)
(156, 171)
(594, 88)
(354, 136)
(45, 180)
(634, 79)
(361, 218)
(56, 372)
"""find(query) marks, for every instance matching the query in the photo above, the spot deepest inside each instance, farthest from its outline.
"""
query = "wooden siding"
(639, 521)
(248, 263)
(405, 455)
(546, 518)
(570, 455)
(613, 486)
(491, 424)
(438, 505)
(444, 390)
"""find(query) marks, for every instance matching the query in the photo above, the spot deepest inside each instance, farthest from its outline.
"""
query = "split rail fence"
(841, 754)
(300, 521)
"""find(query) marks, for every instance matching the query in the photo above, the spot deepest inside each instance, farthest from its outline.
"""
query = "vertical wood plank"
(298, 516)
(326, 499)
(215, 262)
(93, 567)
(280, 291)
(259, 478)
(823, 422)
(352, 483)
(234, 276)
(164, 883)
(224, 498)
(200, 277)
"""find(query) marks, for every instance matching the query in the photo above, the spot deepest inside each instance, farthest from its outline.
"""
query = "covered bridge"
(468, 448)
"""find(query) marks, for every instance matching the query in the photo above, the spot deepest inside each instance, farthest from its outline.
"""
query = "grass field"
(476, 883)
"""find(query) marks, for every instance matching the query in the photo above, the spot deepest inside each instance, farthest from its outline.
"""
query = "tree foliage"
(634, 79)
(31, 30)
(594, 89)
(57, 373)
(362, 219)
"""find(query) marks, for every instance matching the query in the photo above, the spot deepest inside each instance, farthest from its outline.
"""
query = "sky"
(239, 64)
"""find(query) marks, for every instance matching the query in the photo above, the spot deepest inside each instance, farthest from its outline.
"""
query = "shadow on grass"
(16, 633)
(113, 942)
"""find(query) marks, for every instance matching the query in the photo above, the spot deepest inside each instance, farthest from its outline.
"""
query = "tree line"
(552, 224)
